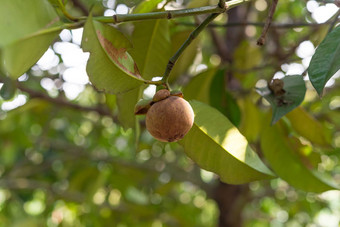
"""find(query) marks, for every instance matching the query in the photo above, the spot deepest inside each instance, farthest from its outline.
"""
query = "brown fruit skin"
(169, 119)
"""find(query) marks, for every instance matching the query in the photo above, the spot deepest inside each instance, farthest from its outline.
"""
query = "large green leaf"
(151, 51)
(216, 145)
(151, 47)
(295, 89)
(28, 28)
(110, 67)
(309, 127)
(281, 154)
(325, 62)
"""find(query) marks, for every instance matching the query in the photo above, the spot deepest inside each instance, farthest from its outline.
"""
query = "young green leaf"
(151, 47)
(285, 161)
(284, 101)
(325, 62)
(110, 67)
(25, 36)
(216, 145)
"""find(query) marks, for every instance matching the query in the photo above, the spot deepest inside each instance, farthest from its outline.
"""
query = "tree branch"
(260, 24)
(65, 103)
(168, 14)
(269, 19)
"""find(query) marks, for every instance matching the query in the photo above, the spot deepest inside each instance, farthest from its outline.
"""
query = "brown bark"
(231, 200)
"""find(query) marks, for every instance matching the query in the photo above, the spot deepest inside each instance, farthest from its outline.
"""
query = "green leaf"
(146, 6)
(295, 89)
(216, 145)
(309, 127)
(187, 57)
(151, 47)
(325, 62)
(129, 3)
(27, 35)
(58, 3)
(285, 161)
(110, 67)
(222, 100)
(199, 86)
(126, 107)
(247, 56)
(251, 121)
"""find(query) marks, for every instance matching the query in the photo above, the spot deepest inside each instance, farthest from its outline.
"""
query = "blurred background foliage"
(67, 159)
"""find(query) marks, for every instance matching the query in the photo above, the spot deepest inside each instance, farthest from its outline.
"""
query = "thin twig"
(186, 43)
(259, 24)
(336, 18)
(168, 14)
(269, 19)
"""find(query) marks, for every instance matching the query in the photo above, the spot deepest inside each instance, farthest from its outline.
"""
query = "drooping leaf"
(199, 87)
(110, 67)
(325, 62)
(293, 93)
(151, 47)
(126, 107)
(216, 145)
(308, 127)
(222, 100)
(285, 161)
(25, 36)
(187, 57)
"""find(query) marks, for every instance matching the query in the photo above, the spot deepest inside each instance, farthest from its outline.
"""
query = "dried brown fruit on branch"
(170, 118)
